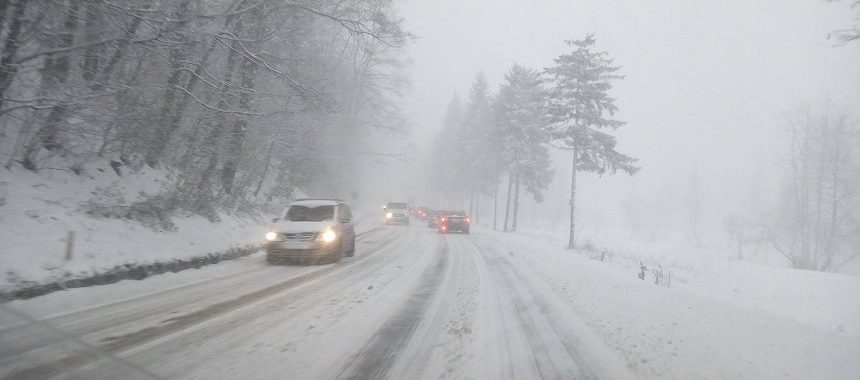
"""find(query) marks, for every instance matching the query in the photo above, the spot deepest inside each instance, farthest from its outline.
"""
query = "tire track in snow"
(258, 320)
(443, 343)
(129, 311)
(116, 344)
(379, 354)
(455, 347)
(526, 350)
(560, 348)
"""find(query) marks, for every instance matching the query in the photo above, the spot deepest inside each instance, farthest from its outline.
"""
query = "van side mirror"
(275, 220)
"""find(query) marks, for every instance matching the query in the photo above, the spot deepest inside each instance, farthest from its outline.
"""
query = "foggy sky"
(707, 83)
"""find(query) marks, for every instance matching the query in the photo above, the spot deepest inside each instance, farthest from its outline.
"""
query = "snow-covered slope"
(737, 320)
(38, 210)
(822, 300)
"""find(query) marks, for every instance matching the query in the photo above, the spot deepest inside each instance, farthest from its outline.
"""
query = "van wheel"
(351, 251)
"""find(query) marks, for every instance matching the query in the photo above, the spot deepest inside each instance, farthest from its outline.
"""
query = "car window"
(345, 213)
(300, 213)
(397, 205)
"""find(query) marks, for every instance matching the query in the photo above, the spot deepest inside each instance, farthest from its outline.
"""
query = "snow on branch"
(213, 108)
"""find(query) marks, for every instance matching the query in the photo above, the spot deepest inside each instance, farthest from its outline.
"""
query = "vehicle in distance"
(397, 213)
(421, 213)
(311, 231)
(454, 221)
(433, 218)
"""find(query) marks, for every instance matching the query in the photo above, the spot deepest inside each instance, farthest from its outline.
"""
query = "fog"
(707, 89)
(619, 189)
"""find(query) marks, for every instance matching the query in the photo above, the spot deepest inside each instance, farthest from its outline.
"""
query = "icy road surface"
(411, 304)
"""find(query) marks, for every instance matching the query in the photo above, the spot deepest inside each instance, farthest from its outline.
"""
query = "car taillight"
(444, 219)
(468, 220)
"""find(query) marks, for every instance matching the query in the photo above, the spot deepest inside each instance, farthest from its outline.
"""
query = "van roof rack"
(318, 199)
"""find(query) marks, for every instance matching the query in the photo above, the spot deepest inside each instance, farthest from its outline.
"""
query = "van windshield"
(397, 205)
(300, 213)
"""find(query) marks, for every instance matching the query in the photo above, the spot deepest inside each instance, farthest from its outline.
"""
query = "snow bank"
(724, 320)
(38, 210)
(826, 301)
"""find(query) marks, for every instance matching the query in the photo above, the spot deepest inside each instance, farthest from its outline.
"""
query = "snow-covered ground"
(415, 304)
(39, 210)
(724, 320)
(826, 301)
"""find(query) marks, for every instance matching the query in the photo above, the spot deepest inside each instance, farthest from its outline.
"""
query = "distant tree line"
(815, 222)
(242, 101)
(505, 138)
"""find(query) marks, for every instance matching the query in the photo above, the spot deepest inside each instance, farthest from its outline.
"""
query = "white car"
(397, 213)
(311, 231)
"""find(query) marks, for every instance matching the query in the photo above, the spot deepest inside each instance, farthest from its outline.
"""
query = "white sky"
(706, 81)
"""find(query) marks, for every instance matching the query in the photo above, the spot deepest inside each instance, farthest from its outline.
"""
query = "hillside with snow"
(38, 211)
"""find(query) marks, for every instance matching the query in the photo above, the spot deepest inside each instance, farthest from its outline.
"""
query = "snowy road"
(410, 304)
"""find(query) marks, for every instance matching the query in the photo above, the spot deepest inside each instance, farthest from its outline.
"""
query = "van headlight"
(389, 215)
(271, 236)
(327, 236)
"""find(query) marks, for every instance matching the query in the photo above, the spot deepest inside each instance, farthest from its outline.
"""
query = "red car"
(433, 218)
(454, 221)
(422, 213)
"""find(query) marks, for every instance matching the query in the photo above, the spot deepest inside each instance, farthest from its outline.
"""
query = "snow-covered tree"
(446, 150)
(694, 206)
(521, 127)
(579, 105)
(819, 227)
(240, 100)
(464, 157)
(478, 153)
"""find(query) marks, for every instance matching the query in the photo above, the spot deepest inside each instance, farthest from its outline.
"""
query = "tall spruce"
(580, 108)
(522, 121)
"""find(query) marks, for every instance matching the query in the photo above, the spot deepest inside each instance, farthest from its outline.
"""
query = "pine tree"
(477, 154)
(579, 104)
(445, 150)
(522, 121)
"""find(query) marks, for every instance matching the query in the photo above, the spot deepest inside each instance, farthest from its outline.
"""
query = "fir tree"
(580, 107)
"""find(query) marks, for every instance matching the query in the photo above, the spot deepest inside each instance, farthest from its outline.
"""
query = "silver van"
(311, 231)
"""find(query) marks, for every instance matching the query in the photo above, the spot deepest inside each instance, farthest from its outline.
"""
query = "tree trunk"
(168, 122)
(213, 136)
(55, 71)
(695, 206)
(7, 67)
(121, 50)
(477, 209)
(836, 182)
(508, 202)
(471, 201)
(265, 169)
(516, 203)
(495, 200)
(571, 242)
(240, 126)
(92, 23)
